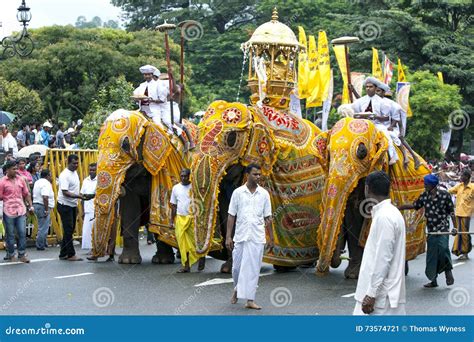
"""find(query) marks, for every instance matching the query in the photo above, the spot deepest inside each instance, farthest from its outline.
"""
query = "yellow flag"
(440, 77)
(324, 66)
(339, 51)
(303, 66)
(313, 84)
(401, 73)
(376, 67)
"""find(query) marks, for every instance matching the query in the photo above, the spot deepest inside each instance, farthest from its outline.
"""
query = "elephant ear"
(378, 152)
(262, 149)
(320, 147)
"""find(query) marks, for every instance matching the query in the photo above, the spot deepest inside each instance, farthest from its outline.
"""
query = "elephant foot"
(352, 271)
(227, 267)
(130, 258)
(283, 269)
(336, 260)
(162, 259)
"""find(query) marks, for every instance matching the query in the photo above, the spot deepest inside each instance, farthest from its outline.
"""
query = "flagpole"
(165, 28)
(346, 41)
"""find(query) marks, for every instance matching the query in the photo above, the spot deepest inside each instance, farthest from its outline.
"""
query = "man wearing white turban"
(151, 90)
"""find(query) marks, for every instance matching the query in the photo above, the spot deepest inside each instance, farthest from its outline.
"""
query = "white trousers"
(386, 311)
(246, 263)
(87, 230)
(392, 137)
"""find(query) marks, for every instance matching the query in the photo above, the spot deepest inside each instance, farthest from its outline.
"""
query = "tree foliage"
(24, 103)
(115, 95)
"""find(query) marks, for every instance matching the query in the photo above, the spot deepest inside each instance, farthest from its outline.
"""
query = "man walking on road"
(438, 208)
(251, 204)
(381, 285)
(14, 193)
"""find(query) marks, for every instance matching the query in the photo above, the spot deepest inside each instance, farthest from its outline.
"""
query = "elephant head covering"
(431, 179)
(372, 80)
(147, 69)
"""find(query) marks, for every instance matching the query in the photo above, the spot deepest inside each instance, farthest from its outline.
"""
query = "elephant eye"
(361, 152)
(231, 139)
(125, 144)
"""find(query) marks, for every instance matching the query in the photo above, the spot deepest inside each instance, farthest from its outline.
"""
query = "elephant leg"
(341, 243)
(129, 206)
(354, 222)
(164, 253)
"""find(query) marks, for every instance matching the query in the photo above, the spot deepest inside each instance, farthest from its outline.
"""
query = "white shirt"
(68, 180)
(43, 187)
(382, 272)
(9, 142)
(88, 188)
(361, 104)
(181, 197)
(389, 109)
(154, 92)
(251, 210)
(164, 91)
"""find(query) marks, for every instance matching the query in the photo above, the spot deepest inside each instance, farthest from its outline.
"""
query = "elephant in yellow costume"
(137, 166)
(348, 153)
(233, 135)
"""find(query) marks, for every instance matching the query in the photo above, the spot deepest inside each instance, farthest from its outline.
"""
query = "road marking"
(19, 262)
(217, 281)
(459, 264)
(74, 275)
(349, 295)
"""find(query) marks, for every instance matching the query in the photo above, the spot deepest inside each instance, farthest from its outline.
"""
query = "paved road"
(50, 286)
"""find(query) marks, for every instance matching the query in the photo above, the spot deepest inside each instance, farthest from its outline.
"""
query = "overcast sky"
(54, 12)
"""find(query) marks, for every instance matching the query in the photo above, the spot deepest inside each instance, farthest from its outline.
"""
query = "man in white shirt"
(8, 141)
(182, 221)
(150, 89)
(43, 202)
(381, 285)
(251, 204)
(88, 189)
(68, 196)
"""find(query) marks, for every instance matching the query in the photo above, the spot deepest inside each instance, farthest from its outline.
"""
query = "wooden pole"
(170, 82)
(346, 50)
(181, 97)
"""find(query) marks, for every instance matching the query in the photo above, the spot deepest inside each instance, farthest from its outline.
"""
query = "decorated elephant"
(348, 153)
(232, 136)
(137, 166)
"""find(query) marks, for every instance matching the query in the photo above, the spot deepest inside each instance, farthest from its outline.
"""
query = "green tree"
(115, 95)
(434, 104)
(24, 103)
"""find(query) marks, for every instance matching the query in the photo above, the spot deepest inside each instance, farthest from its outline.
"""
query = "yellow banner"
(440, 77)
(314, 83)
(324, 66)
(339, 51)
(401, 73)
(303, 66)
(376, 67)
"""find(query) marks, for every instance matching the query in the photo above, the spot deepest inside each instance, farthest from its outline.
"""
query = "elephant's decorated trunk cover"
(283, 145)
(119, 140)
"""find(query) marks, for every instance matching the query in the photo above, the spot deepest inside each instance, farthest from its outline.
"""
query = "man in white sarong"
(88, 190)
(372, 103)
(153, 97)
(381, 285)
(251, 204)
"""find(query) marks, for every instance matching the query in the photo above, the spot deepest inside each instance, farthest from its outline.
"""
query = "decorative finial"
(275, 14)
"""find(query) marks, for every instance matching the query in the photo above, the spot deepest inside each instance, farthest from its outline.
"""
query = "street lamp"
(21, 44)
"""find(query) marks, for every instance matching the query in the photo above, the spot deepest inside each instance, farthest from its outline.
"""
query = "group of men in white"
(387, 115)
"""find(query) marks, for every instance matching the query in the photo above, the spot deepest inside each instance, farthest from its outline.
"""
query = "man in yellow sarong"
(182, 221)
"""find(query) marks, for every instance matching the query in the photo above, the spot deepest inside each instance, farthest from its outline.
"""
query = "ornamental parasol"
(6, 117)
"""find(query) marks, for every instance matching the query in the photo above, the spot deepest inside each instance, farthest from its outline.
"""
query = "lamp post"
(21, 44)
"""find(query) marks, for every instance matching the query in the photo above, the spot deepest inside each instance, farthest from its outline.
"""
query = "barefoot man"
(251, 204)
